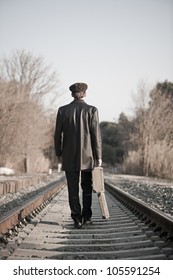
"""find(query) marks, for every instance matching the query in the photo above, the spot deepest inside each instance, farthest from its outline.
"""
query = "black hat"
(78, 87)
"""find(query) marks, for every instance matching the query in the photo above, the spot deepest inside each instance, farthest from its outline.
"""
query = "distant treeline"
(142, 144)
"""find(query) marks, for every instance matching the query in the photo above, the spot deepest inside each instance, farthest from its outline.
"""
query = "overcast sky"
(109, 44)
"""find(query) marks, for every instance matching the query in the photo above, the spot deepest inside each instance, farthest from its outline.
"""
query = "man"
(78, 145)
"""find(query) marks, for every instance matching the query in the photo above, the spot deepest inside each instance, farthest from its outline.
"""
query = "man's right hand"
(99, 163)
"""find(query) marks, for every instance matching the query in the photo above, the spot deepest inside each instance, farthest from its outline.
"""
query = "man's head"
(78, 90)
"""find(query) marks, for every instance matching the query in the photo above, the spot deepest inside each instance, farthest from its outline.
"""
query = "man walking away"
(78, 146)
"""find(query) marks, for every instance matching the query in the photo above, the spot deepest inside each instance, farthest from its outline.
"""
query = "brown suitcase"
(98, 187)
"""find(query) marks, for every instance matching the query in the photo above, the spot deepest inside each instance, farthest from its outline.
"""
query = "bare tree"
(140, 138)
(160, 115)
(141, 97)
(154, 133)
(24, 81)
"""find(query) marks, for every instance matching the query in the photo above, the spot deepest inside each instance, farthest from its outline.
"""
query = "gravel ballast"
(12, 200)
(155, 192)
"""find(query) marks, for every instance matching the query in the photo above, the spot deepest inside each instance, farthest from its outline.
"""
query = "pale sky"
(109, 44)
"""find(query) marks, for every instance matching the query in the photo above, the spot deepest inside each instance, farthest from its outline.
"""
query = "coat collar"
(80, 100)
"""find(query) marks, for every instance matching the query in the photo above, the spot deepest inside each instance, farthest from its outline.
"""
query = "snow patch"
(6, 171)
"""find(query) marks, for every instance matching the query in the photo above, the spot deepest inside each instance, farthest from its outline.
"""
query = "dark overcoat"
(77, 136)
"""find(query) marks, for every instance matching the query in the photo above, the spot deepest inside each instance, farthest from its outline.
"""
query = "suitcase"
(98, 187)
(98, 180)
(103, 205)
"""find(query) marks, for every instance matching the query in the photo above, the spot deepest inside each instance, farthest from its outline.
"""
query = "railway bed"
(131, 232)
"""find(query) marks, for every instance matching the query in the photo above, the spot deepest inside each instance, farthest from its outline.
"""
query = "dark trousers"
(73, 194)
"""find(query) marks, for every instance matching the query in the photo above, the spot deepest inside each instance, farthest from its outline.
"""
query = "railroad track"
(131, 232)
(20, 216)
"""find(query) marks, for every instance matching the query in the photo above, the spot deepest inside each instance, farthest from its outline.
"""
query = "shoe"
(77, 224)
(87, 221)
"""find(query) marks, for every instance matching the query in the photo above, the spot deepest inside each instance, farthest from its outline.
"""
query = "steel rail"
(149, 212)
(37, 202)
